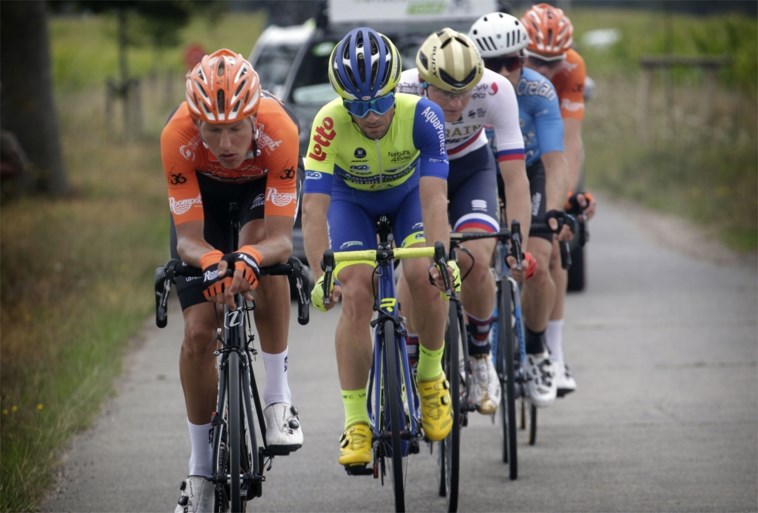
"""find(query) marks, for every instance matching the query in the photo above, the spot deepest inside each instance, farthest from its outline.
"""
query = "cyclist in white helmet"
(501, 38)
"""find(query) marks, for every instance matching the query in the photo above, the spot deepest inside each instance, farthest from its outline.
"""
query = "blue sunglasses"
(361, 108)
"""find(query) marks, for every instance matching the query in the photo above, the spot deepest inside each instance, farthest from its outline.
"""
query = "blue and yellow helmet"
(364, 65)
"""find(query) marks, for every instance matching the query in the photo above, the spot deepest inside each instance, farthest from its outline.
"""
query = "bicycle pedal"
(359, 470)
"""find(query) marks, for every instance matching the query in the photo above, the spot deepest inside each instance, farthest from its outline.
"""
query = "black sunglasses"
(509, 63)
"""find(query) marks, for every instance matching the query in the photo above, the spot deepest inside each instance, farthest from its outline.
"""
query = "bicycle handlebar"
(331, 258)
(164, 277)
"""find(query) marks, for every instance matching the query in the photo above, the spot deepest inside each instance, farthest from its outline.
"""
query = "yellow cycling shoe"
(355, 445)
(436, 411)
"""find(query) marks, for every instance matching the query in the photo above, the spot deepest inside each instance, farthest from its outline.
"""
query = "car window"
(311, 85)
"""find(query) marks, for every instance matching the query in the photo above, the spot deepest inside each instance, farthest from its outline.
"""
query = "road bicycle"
(240, 451)
(509, 348)
(392, 400)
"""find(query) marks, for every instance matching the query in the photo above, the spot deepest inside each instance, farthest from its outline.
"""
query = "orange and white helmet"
(223, 88)
(550, 31)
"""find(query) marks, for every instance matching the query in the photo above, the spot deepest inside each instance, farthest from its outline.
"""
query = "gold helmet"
(450, 61)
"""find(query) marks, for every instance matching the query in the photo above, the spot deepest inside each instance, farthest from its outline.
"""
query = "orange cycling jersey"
(569, 84)
(184, 155)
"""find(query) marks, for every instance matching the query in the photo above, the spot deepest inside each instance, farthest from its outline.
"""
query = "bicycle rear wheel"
(392, 413)
(505, 369)
(448, 457)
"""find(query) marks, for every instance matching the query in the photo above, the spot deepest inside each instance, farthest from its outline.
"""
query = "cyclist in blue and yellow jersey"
(501, 38)
(449, 71)
(374, 152)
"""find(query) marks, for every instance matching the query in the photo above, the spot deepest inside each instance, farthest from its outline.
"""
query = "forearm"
(518, 200)
(556, 180)
(433, 194)
(315, 231)
(574, 149)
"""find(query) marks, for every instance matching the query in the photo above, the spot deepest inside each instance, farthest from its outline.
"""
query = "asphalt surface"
(664, 347)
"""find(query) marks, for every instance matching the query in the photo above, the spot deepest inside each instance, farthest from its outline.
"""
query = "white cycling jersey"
(493, 105)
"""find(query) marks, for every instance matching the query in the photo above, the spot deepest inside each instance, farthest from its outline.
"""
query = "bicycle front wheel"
(235, 433)
(392, 413)
(505, 365)
(448, 457)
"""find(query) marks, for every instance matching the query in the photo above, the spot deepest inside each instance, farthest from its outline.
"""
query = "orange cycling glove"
(531, 265)
(248, 260)
(212, 286)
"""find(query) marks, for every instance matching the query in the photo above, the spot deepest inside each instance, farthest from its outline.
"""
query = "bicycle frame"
(388, 359)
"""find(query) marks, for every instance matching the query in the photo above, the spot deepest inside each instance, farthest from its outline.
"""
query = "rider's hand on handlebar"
(582, 205)
(213, 287)
(317, 295)
(562, 224)
(435, 278)
(528, 267)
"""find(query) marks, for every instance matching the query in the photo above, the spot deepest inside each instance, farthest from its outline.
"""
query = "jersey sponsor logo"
(265, 141)
(431, 117)
(399, 156)
(179, 207)
(360, 170)
(322, 137)
(257, 202)
(479, 204)
(186, 152)
(570, 106)
(280, 199)
(350, 244)
(536, 88)
(313, 175)
(360, 153)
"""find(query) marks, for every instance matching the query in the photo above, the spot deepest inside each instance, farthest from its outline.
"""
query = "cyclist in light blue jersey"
(501, 39)
(374, 152)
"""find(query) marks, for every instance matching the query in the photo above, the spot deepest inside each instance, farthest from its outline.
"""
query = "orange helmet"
(550, 31)
(223, 88)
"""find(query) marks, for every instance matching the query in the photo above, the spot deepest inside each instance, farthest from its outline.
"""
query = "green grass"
(77, 272)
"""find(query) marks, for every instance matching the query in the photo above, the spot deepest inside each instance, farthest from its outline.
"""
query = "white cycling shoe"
(484, 384)
(564, 381)
(540, 386)
(283, 431)
(196, 496)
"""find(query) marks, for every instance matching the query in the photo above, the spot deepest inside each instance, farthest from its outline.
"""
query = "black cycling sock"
(535, 342)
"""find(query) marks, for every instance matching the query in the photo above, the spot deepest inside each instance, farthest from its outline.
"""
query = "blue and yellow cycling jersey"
(414, 146)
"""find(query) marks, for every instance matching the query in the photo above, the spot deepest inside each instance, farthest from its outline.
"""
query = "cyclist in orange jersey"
(551, 54)
(229, 143)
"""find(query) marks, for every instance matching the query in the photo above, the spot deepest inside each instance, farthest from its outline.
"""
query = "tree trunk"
(27, 107)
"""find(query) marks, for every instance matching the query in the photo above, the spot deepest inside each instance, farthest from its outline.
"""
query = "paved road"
(664, 346)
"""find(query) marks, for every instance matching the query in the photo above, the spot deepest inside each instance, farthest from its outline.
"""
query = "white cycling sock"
(554, 339)
(201, 454)
(277, 388)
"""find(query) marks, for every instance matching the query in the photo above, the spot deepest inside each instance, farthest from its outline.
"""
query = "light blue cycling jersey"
(539, 115)
(338, 149)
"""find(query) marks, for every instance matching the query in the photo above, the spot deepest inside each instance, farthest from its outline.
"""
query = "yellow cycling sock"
(354, 402)
(429, 363)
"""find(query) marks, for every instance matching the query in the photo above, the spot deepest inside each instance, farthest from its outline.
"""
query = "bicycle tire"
(506, 341)
(532, 424)
(448, 458)
(392, 400)
(235, 434)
